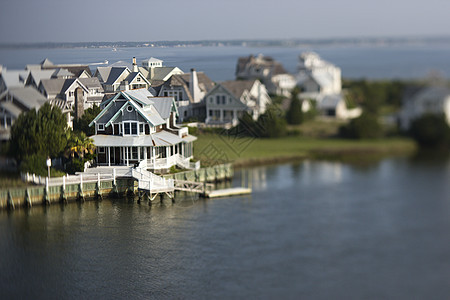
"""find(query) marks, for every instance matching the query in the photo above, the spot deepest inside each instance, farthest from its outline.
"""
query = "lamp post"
(49, 164)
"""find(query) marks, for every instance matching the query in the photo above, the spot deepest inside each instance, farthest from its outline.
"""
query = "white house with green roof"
(135, 126)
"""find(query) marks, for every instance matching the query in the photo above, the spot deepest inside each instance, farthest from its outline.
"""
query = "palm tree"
(79, 144)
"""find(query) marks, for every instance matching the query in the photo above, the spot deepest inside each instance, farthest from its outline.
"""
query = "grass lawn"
(212, 149)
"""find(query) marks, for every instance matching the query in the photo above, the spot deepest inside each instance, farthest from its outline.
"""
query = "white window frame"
(101, 150)
(131, 132)
(101, 126)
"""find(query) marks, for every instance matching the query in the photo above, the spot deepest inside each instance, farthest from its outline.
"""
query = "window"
(101, 149)
(138, 79)
(141, 128)
(71, 94)
(100, 126)
(126, 128)
(218, 99)
(129, 108)
(224, 99)
(134, 127)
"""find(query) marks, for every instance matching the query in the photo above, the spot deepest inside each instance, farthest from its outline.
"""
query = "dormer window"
(138, 79)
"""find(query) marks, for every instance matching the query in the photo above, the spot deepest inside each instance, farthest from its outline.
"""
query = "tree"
(431, 131)
(272, 124)
(42, 132)
(79, 145)
(89, 115)
(294, 115)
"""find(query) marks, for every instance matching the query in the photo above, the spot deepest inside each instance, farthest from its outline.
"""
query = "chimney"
(79, 103)
(193, 86)
(135, 67)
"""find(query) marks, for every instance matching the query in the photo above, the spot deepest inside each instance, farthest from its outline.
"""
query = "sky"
(169, 20)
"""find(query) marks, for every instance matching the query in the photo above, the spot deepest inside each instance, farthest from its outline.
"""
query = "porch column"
(221, 115)
(139, 153)
(145, 152)
(154, 156)
(109, 156)
(128, 156)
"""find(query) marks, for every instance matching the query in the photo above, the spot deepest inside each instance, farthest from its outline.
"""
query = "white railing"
(176, 159)
(152, 182)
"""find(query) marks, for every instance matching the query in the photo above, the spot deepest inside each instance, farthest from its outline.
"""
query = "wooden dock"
(228, 192)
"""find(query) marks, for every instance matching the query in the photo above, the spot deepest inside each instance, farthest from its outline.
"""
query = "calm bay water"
(219, 63)
(313, 230)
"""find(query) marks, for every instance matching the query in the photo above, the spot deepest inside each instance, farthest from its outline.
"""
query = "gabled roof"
(28, 96)
(14, 78)
(182, 80)
(103, 72)
(115, 73)
(162, 73)
(91, 83)
(238, 87)
(60, 86)
(62, 73)
(39, 75)
(133, 75)
(148, 111)
(46, 63)
(122, 64)
(165, 106)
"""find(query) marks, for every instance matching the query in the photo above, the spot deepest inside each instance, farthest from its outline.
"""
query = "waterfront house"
(188, 91)
(432, 99)
(61, 90)
(227, 101)
(134, 126)
(270, 72)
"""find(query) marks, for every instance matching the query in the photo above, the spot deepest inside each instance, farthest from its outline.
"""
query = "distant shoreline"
(371, 41)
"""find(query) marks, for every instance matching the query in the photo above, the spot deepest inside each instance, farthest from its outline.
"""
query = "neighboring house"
(13, 102)
(227, 101)
(95, 91)
(434, 100)
(62, 90)
(116, 78)
(156, 73)
(270, 72)
(188, 91)
(336, 107)
(135, 126)
(77, 70)
(317, 77)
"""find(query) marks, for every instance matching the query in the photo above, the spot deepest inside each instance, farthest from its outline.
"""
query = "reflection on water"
(310, 230)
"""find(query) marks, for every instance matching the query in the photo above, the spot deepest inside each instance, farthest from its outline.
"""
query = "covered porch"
(159, 153)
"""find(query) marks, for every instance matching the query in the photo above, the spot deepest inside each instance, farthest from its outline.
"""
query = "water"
(219, 63)
(313, 230)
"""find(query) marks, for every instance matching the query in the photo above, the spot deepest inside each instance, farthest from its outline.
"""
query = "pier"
(98, 183)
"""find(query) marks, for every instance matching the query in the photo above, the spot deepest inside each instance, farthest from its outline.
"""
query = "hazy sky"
(148, 20)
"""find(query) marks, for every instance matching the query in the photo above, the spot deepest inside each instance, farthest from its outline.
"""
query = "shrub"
(365, 126)
(431, 131)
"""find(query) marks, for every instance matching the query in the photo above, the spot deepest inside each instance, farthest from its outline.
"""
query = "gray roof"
(238, 87)
(142, 95)
(164, 106)
(62, 73)
(91, 83)
(162, 138)
(28, 97)
(11, 108)
(14, 78)
(46, 63)
(54, 86)
(330, 101)
(122, 63)
(114, 74)
(161, 73)
(104, 72)
(38, 75)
